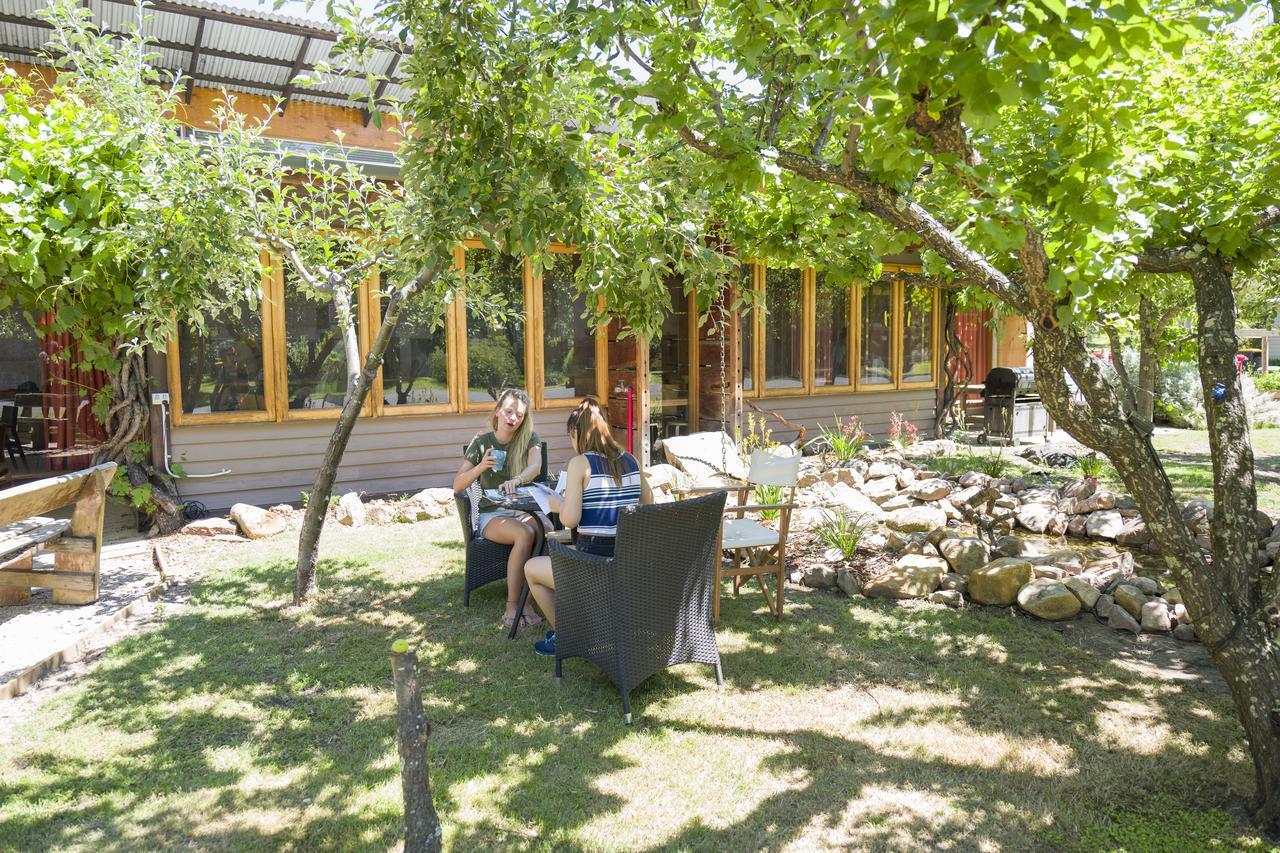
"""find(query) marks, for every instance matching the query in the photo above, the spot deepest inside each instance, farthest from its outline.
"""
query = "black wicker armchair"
(649, 606)
(486, 561)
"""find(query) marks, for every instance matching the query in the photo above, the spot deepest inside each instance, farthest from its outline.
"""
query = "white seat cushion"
(745, 533)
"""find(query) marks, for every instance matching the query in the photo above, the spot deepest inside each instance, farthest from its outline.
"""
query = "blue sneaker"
(547, 647)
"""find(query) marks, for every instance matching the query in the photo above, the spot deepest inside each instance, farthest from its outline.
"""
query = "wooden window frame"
(932, 382)
(895, 322)
(755, 357)
(266, 312)
(851, 348)
(534, 368)
(373, 309)
(806, 339)
(284, 413)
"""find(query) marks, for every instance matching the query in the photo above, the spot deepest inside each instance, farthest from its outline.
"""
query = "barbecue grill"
(1009, 398)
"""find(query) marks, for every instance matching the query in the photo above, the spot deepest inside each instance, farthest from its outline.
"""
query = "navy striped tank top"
(602, 498)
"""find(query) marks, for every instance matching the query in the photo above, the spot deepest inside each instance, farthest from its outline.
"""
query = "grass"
(240, 723)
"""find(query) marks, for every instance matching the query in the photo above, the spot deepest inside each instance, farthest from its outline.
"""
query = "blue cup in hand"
(499, 459)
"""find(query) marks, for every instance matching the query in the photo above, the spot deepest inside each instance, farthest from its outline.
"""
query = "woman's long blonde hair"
(518, 447)
(590, 428)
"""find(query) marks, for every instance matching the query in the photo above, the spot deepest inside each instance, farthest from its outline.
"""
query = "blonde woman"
(603, 479)
(506, 457)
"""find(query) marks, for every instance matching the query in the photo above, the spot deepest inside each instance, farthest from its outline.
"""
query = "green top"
(494, 478)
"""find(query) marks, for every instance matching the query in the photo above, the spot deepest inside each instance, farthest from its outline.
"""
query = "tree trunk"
(361, 380)
(128, 423)
(1239, 635)
(1226, 595)
(422, 831)
(1150, 330)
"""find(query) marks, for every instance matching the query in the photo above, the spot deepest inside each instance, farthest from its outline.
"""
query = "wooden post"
(422, 830)
(11, 595)
(735, 357)
(642, 400)
(86, 523)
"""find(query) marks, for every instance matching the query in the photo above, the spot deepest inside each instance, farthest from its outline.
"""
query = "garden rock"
(1130, 598)
(905, 478)
(916, 519)
(378, 513)
(882, 468)
(1147, 586)
(210, 527)
(929, 490)
(1039, 496)
(350, 510)
(1011, 546)
(998, 582)
(1051, 572)
(415, 509)
(1104, 524)
(949, 597)
(856, 502)
(896, 502)
(819, 577)
(880, 489)
(1036, 517)
(974, 479)
(1080, 489)
(1120, 619)
(1077, 525)
(1049, 599)
(256, 522)
(1184, 632)
(1172, 597)
(966, 495)
(1103, 606)
(1196, 513)
(913, 576)
(1134, 533)
(848, 583)
(951, 580)
(1155, 618)
(1096, 502)
(965, 554)
(1082, 590)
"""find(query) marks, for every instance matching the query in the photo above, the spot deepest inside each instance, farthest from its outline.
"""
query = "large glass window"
(495, 347)
(875, 366)
(783, 329)
(568, 341)
(917, 333)
(315, 355)
(831, 354)
(221, 368)
(415, 369)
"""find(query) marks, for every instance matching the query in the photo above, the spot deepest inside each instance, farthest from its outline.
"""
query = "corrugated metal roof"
(238, 49)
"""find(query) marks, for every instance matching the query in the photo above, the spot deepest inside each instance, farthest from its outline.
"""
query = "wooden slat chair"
(76, 543)
(755, 549)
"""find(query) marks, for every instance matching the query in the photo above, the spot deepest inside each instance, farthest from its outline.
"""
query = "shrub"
(768, 495)
(846, 438)
(992, 463)
(491, 365)
(902, 432)
(843, 531)
(757, 437)
(1267, 381)
(1092, 465)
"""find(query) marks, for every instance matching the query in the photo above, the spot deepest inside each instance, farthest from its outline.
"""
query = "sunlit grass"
(242, 723)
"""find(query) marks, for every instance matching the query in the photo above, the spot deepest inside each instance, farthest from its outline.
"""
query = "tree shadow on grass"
(240, 722)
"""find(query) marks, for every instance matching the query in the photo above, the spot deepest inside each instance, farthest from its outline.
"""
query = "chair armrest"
(705, 490)
(739, 510)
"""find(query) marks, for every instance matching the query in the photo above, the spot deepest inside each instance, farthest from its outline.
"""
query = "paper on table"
(540, 493)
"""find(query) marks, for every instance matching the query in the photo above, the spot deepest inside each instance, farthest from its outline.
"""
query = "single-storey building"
(252, 400)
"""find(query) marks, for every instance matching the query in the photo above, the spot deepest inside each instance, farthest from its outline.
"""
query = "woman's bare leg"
(520, 535)
(543, 586)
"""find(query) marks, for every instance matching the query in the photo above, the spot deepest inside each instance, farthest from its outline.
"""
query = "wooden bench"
(76, 543)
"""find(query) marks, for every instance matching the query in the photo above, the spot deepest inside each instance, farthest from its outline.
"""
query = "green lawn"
(1185, 454)
(239, 723)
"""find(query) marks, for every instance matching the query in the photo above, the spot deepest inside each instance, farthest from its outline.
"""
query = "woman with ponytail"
(602, 479)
